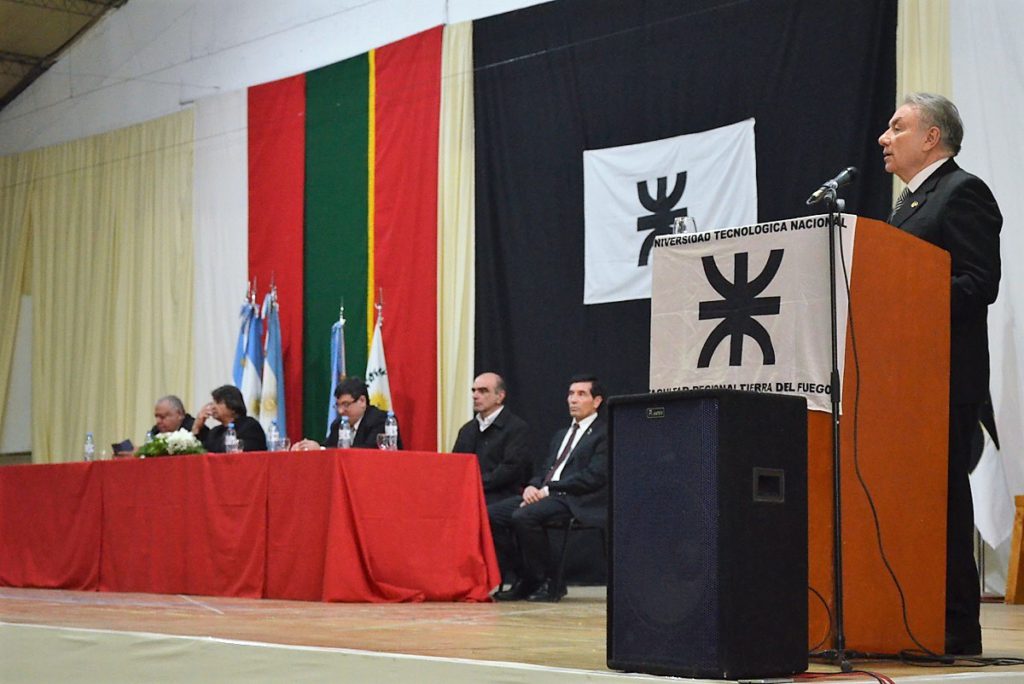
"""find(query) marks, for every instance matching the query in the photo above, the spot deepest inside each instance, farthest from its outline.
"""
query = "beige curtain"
(112, 274)
(456, 223)
(922, 53)
(15, 172)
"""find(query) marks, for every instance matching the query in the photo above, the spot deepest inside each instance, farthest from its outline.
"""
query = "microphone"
(845, 177)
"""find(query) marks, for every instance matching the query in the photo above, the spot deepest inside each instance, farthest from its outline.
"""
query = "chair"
(567, 527)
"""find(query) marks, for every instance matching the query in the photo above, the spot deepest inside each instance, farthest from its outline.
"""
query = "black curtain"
(556, 79)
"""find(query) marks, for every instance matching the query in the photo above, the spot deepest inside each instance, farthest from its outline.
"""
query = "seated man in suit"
(572, 482)
(352, 399)
(498, 437)
(170, 416)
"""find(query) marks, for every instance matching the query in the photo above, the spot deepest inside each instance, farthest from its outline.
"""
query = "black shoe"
(519, 590)
(962, 647)
(548, 592)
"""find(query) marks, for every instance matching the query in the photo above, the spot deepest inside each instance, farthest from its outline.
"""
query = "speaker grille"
(665, 510)
(708, 531)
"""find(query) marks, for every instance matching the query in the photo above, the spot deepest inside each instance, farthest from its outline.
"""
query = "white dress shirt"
(923, 174)
(584, 426)
(485, 423)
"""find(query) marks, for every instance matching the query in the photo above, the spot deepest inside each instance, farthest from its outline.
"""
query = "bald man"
(170, 415)
(499, 439)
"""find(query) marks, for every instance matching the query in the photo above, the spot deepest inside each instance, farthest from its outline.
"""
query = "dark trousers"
(519, 538)
(963, 591)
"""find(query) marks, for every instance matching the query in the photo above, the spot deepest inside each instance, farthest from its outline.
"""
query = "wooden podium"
(899, 371)
(894, 434)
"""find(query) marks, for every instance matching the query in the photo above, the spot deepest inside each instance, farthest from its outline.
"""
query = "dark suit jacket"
(503, 452)
(365, 437)
(247, 428)
(956, 211)
(584, 480)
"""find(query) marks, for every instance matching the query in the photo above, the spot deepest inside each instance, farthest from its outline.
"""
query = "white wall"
(153, 57)
(988, 87)
(16, 430)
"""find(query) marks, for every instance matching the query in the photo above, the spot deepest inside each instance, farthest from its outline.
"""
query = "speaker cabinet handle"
(769, 485)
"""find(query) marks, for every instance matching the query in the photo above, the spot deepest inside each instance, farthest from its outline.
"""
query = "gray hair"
(938, 111)
(174, 401)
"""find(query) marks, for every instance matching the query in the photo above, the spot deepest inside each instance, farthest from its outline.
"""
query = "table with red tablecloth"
(336, 525)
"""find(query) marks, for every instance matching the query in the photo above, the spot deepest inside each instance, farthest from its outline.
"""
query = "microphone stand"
(839, 655)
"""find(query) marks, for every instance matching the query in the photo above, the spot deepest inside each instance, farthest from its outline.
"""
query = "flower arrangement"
(171, 444)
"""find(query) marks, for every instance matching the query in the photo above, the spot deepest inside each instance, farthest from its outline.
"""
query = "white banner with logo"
(749, 308)
(633, 194)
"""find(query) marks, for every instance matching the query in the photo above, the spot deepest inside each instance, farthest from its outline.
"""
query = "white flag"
(634, 193)
(377, 371)
(749, 308)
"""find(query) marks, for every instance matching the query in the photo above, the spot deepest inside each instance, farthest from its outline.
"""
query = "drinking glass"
(684, 224)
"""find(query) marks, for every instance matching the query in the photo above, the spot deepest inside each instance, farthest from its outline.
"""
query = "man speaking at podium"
(956, 211)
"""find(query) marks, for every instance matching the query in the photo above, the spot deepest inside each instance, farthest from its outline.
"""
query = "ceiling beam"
(18, 58)
(85, 8)
(14, 64)
(26, 68)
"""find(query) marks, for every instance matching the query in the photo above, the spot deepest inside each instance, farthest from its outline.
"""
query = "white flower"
(179, 441)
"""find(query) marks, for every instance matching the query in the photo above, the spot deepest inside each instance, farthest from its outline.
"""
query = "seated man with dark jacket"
(352, 399)
(498, 437)
(571, 483)
(228, 407)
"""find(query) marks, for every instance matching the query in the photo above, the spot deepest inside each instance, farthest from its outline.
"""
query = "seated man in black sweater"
(498, 437)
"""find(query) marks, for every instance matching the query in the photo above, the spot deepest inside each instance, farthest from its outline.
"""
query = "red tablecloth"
(378, 526)
(334, 525)
(50, 526)
(185, 525)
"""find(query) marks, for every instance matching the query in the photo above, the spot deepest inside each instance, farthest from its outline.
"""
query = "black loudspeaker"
(708, 534)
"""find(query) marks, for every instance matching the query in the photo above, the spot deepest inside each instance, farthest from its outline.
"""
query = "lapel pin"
(913, 205)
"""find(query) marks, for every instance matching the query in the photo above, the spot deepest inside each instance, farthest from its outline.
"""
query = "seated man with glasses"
(352, 399)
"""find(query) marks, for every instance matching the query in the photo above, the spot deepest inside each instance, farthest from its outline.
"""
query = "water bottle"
(391, 431)
(89, 450)
(273, 437)
(345, 434)
(231, 440)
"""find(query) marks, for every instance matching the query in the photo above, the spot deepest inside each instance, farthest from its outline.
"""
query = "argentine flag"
(337, 366)
(272, 402)
(252, 362)
(245, 316)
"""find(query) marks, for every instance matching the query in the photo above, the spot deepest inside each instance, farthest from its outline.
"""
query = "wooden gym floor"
(570, 634)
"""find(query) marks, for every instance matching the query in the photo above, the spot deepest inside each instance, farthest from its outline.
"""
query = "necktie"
(899, 203)
(566, 450)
